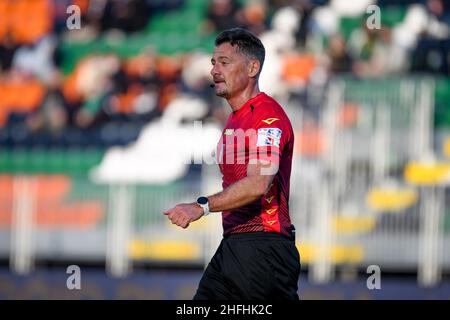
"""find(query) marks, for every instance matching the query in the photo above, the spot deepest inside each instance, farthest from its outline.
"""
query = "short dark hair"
(247, 43)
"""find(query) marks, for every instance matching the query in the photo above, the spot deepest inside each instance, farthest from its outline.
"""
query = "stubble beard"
(222, 93)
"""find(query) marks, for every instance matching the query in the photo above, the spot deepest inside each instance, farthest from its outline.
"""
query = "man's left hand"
(185, 213)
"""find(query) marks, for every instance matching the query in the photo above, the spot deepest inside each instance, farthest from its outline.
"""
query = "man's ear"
(253, 68)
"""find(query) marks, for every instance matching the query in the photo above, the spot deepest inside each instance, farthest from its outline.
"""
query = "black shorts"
(252, 266)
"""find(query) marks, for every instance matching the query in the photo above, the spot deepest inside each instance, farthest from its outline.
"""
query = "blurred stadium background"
(97, 138)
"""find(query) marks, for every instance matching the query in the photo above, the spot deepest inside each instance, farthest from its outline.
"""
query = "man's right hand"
(185, 213)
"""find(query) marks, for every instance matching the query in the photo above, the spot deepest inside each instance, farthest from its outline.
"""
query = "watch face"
(202, 200)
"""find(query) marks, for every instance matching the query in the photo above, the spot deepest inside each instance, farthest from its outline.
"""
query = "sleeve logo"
(269, 137)
(269, 121)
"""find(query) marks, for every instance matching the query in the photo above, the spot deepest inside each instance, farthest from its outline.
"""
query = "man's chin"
(222, 94)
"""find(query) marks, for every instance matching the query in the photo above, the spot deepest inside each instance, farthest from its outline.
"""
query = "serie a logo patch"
(269, 137)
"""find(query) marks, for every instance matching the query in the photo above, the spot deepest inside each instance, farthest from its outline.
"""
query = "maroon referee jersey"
(260, 129)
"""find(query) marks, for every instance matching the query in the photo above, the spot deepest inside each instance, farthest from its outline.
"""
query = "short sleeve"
(271, 136)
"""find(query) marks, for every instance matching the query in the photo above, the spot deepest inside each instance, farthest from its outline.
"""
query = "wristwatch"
(204, 203)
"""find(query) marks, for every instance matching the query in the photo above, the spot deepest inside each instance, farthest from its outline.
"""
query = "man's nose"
(214, 70)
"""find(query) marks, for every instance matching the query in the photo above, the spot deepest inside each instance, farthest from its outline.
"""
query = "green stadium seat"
(41, 161)
(4, 161)
(207, 44)
(189, 22)
(173, 42)
(442, 102)
(197, 5)
(447, 221)
(38, 160)
(74, 161)
(348, 24)
(166, 23)
(392, 15)
(91, 158)
(20, 161)
(72, 52)
(168, 33)
(192, 41)
(155, 22)
(56, 161)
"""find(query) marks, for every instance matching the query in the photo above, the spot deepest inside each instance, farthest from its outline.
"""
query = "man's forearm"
(239, 194)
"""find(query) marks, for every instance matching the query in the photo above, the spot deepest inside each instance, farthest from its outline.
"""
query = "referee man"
(257, 258)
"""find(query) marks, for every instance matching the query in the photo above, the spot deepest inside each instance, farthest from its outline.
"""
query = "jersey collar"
(242, 110)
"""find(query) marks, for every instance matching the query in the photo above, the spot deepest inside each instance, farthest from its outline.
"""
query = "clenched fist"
(185, 213)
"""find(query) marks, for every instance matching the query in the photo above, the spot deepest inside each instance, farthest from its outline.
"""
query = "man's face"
(229, 71)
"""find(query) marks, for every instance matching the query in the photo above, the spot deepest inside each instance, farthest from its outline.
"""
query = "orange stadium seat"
(53, 187)
(297, 68)
(50, 209)
(4, 19)
(4, 110)
(19, 95)
(168, 67)
(25, 96)
(348, 115)
(6, 185)
(309, 141)
(139, 65)
(83, 5)
(69, 87)
(127, 99)
(48, 187)
(77, 214)
(30, 20)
